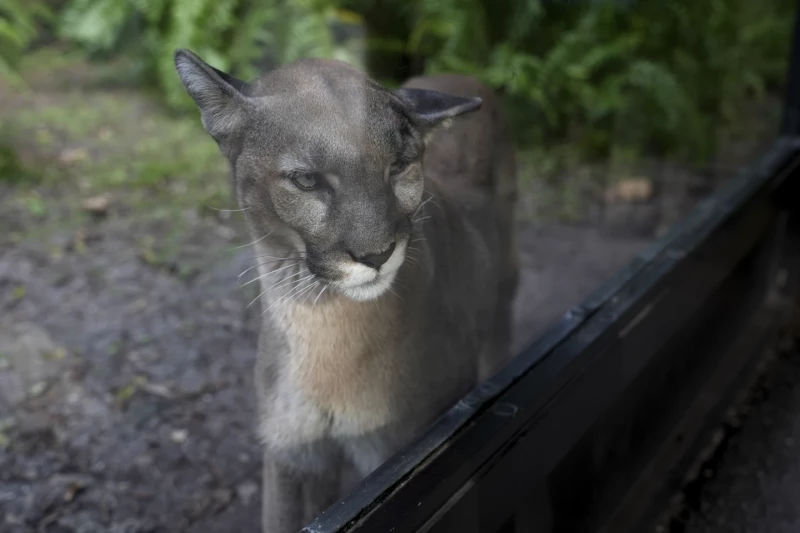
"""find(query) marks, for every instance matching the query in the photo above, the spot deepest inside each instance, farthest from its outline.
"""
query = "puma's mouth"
(370, 290)
(362, 283)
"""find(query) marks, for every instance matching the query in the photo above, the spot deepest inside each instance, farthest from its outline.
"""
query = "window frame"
(602, 415)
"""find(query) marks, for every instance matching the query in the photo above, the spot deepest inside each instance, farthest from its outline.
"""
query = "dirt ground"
(126, 394)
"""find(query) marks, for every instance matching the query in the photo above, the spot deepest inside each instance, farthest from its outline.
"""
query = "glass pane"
(136, 274)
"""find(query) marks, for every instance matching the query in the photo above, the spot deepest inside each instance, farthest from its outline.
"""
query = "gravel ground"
(126, 399)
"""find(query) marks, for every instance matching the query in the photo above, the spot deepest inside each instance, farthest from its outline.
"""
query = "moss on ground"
(62, 142)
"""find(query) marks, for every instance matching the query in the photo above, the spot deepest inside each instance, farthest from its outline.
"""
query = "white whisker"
(297, 283)
(265, 263)
(267, 274)
(320, 294)
(283, 282)
(307, 290)
(251, 243)
(316, 284)
(290, 256)
(292, 291)
(420, 206)
(395, 293)
(304, 293)
(228, 210)
(395, 282)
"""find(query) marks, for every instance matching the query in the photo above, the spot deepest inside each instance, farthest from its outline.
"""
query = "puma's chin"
(362, 283)
(369, 291)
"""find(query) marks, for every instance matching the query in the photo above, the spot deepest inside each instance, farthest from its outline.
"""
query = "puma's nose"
(374, 260)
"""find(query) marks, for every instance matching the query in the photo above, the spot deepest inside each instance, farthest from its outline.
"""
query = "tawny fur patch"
(342, 361)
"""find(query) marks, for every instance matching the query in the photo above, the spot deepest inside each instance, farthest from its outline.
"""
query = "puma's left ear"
(432, 107)
(221, 98)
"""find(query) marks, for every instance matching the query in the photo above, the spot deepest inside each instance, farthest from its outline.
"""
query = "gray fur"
(355, 359)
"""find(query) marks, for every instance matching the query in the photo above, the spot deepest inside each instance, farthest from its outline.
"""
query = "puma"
(383, 222)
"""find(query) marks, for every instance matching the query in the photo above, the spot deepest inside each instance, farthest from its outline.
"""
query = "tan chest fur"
(343, 360)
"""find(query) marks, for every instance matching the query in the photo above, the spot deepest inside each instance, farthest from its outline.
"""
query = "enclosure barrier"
(594, 426)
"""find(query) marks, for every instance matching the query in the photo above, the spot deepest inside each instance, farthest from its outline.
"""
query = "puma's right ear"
(433, 108)
(220, 97)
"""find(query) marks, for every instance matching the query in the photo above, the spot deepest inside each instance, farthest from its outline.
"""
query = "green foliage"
(645, 77)
(654, 76)
(18, 27)
(233, 35)
(10, 168)
(594, 81)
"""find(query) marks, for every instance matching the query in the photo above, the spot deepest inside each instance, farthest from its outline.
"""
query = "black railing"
(790, 125)
(593, 426)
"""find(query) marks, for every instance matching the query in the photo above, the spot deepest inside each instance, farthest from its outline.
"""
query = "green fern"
(229, 34)
(651, 75)
(18, 27)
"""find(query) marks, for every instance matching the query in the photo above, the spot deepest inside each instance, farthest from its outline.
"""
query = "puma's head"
(326, 161)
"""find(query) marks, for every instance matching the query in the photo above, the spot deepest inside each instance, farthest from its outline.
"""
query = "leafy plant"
(18, 27)
(234, 35)
(651, 77)
(658, 76)
(10, 168)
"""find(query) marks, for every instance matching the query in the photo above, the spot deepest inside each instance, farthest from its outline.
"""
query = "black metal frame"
(593, 426)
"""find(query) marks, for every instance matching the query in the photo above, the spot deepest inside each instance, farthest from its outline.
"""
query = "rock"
(97, 205)
(46, 496)
(179, 435)
(12, 391)
(192, 382)
(5, 425)
(71, 155)
(83, 521)
(32, 359)
(630, 190)
(246, 491)
(38, 388)
(132, 525)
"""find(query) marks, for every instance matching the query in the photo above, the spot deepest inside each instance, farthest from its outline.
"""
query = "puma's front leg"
(293, 499)
(319, 492)
(282, 504)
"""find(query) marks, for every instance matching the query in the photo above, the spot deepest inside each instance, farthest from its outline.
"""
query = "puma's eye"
(398, 167)
(306, 182)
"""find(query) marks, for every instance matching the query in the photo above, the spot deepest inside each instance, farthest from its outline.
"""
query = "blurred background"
(126, 343)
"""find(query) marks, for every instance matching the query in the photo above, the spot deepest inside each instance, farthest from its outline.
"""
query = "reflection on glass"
(126, 346)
